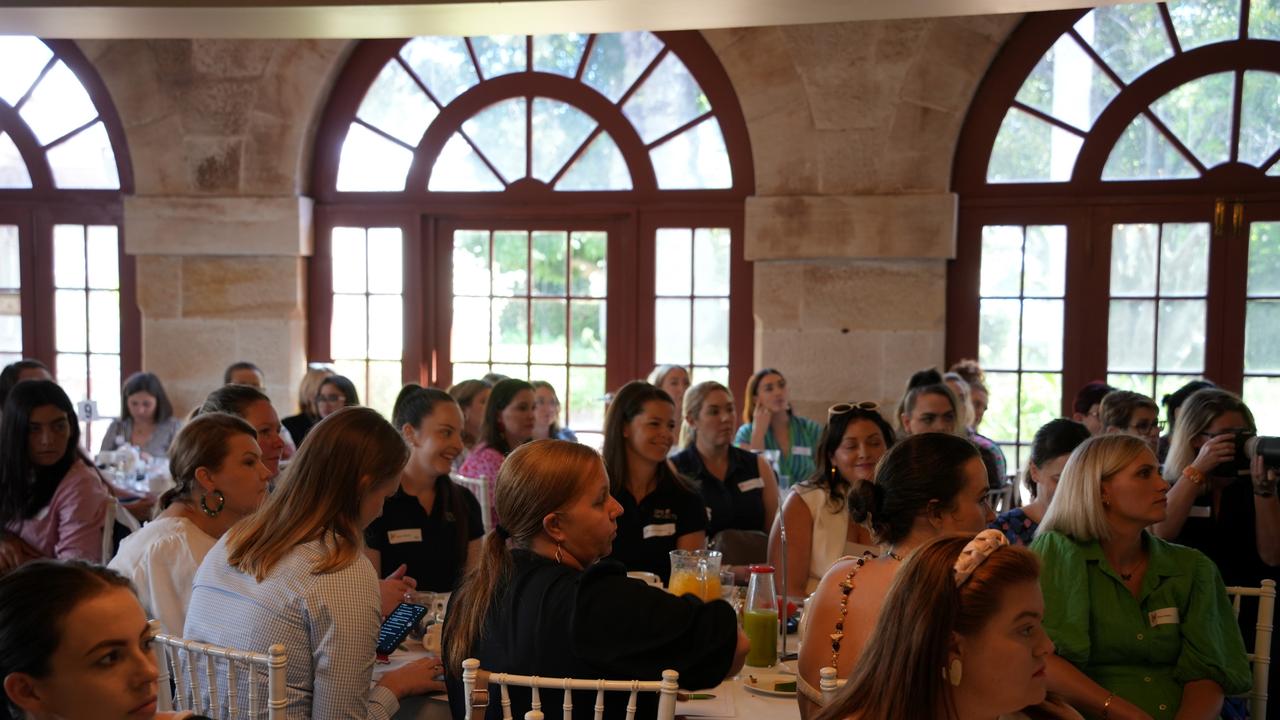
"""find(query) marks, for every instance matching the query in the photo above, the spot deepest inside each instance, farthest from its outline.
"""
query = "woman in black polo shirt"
(430, 524)
(660, 513)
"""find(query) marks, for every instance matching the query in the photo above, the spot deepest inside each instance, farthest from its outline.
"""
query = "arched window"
(560, 207)
(66, 293)
(1120, 209)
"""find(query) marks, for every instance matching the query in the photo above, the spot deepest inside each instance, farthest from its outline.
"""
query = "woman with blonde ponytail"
(540, 601)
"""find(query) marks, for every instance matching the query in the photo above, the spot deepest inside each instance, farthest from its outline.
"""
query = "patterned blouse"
(1016, 526)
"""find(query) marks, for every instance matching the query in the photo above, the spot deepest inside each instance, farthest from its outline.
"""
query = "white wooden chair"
(480, 488)
(116, 513)
(828, 684)
(1000, 499)
(665, 688)
(173, 655)
(1260, 658)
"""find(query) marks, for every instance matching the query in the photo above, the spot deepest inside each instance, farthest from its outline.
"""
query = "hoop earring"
(204, 507)
(559, 556)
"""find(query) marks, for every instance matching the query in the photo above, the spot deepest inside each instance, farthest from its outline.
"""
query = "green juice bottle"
(760, 618)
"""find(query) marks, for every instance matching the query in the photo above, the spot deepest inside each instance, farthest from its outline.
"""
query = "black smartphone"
(404, 618)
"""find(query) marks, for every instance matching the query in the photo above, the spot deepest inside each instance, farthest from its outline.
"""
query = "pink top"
(70, 526)
(483, 462)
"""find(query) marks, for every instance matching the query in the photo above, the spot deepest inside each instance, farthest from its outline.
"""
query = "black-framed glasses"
(1146, 428)
(848, 407)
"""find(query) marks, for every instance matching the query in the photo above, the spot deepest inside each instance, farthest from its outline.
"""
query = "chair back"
(828, 684)
(480, 488)
(741, 547)
(197, 688)
(1001, 498)
(665, 688)
(115, 513)
(1260, 658)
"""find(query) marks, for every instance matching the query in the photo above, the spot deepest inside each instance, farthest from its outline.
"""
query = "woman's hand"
(424, 675)
(394, 588)
(1219, 449)
(761, 416)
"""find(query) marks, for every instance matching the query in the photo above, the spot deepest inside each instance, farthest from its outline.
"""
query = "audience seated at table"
(308, 415)
(254, 407)
(146, 421)
(818, 513)
(768, 423)
(429, 524)
(925, 485)
(1130, 413)
(219, 479)
(1143, 628)
(52, 499)
(1087, 405)
(294, 573)
(541, 601)
(472, 396)
(546, 412)
(75, 645)
(19, 370)
(508, 424)
(660, 512)
(929, 405)
(335, 393)
(1050, 448)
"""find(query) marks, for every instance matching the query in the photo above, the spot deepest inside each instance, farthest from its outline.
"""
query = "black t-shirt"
(737, 502)
(298, 426)
(648, 531)
(554, 621)
(429, 544)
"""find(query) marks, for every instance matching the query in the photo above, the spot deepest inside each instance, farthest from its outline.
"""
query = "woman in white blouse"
(220, 479)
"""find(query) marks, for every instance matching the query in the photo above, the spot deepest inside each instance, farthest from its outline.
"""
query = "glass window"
(1201, 22)
(10, 296)
(1145, 153)
(1262, 317)
(691, 308)
(1199, 113)
(1130, 38)
(366, 334)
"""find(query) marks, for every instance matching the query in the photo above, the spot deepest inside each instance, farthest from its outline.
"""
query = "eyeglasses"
(1146, 428)
(848, 407)
(331, 398)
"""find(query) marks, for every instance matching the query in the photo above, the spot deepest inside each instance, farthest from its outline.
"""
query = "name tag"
(802, 451)
(395, 537)
(752, 484)
(663, 530)
(1164, 616)
(1200, 511)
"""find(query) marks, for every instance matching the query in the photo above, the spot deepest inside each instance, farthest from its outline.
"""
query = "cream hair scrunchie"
(977, 552)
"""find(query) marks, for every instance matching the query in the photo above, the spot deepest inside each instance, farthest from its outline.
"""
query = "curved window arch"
(66, 286)
(564, 207)
(1119, 180)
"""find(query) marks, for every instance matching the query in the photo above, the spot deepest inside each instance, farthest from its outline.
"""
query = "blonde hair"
(964, 399)
(660, 373)
(1076, 509)
(319, 495)
(309, 387)
(694, 398)
(1195, 416)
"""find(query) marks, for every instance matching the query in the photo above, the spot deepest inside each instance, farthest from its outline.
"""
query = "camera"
(1249, 445)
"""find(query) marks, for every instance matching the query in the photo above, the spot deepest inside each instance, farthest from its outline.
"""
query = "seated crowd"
(1102, 596)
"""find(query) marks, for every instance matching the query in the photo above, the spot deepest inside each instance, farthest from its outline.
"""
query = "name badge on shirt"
(752, 484)
(1163, 616)
(408, 535)
(659, 530)
(1200, 511)
(802, 451)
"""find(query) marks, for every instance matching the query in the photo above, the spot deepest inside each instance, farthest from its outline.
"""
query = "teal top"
(796, 462)
(1180, 627)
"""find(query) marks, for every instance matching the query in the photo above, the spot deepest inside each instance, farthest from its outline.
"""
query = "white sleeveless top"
(830, 533)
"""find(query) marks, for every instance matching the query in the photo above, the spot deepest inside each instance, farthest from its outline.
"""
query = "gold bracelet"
(1106, 706)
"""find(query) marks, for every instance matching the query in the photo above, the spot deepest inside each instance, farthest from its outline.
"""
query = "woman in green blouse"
(1143, 627)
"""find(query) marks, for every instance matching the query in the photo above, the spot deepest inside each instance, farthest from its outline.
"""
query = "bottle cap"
(762, 569)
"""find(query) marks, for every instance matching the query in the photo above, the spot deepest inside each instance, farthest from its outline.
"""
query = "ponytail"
(470, 604)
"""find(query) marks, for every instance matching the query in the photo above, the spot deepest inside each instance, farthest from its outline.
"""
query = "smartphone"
(404, 618)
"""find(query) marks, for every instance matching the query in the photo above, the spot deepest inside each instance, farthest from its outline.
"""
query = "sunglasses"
(844, 407)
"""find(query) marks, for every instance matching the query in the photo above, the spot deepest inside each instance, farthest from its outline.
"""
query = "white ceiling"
(395, 18)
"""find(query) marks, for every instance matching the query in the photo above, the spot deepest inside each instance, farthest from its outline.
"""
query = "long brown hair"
(203, 442)
(318, 496)
(626, 405)
(899, 674)
(536, 479)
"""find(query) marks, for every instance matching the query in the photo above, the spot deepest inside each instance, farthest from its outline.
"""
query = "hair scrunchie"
(502, 532)
(977, 552)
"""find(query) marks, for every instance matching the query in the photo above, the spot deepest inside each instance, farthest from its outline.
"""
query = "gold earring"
(559, 556)
(954, 672)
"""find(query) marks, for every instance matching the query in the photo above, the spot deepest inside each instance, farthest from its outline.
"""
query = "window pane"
(13, 169)
(104, 321)
(1042, 335)
(470, 331)
(1028, 149)
(586, 397)
(711, 331)
(370, 162)
(1260, 106)
(104, 382)
(73, 376)
(348, 332)
(23, 57)
(471, 263)
(673, 262)
(397, 106)
(501, 54)
(1180, 345)
(1041, 401)
(549, 337)
(1131, 336)
(500, 132)
(1264, 19)
(1264, 258)
(1068, 85)
(669, 98)
(520, 372)
(617, 59)
(588, 276)
(560, 54)
(1262, 395)
(68, 256)
(58, 105)
(10, 322)
(1129, 38)
(69, 320)
(355, 370)
(600, 167)
(1135, 382)
(348, 252)
(696, 159)
(1184, 260)
(510, 330)
(85, 160)
(386, 327)
(1200, 113)
(510, 263)
(465, 371)
(1001, 261)
(1001, 420)
(588, 339)
(1143, 153)
(385, 381)
(998, 340)
(711, 257)
(550, 258)
(10, 271)
(1133, 260)
(559, 129)
(104, 257)
(1261, 341)
(443, 64)
(705, 374)
(1045, 271)
(386, 261)
(459, 169)
(1200, 22)
(671, 331)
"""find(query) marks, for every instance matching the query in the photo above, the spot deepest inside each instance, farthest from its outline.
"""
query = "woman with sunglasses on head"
(925, 485)
(768, 423)
(817, 513)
